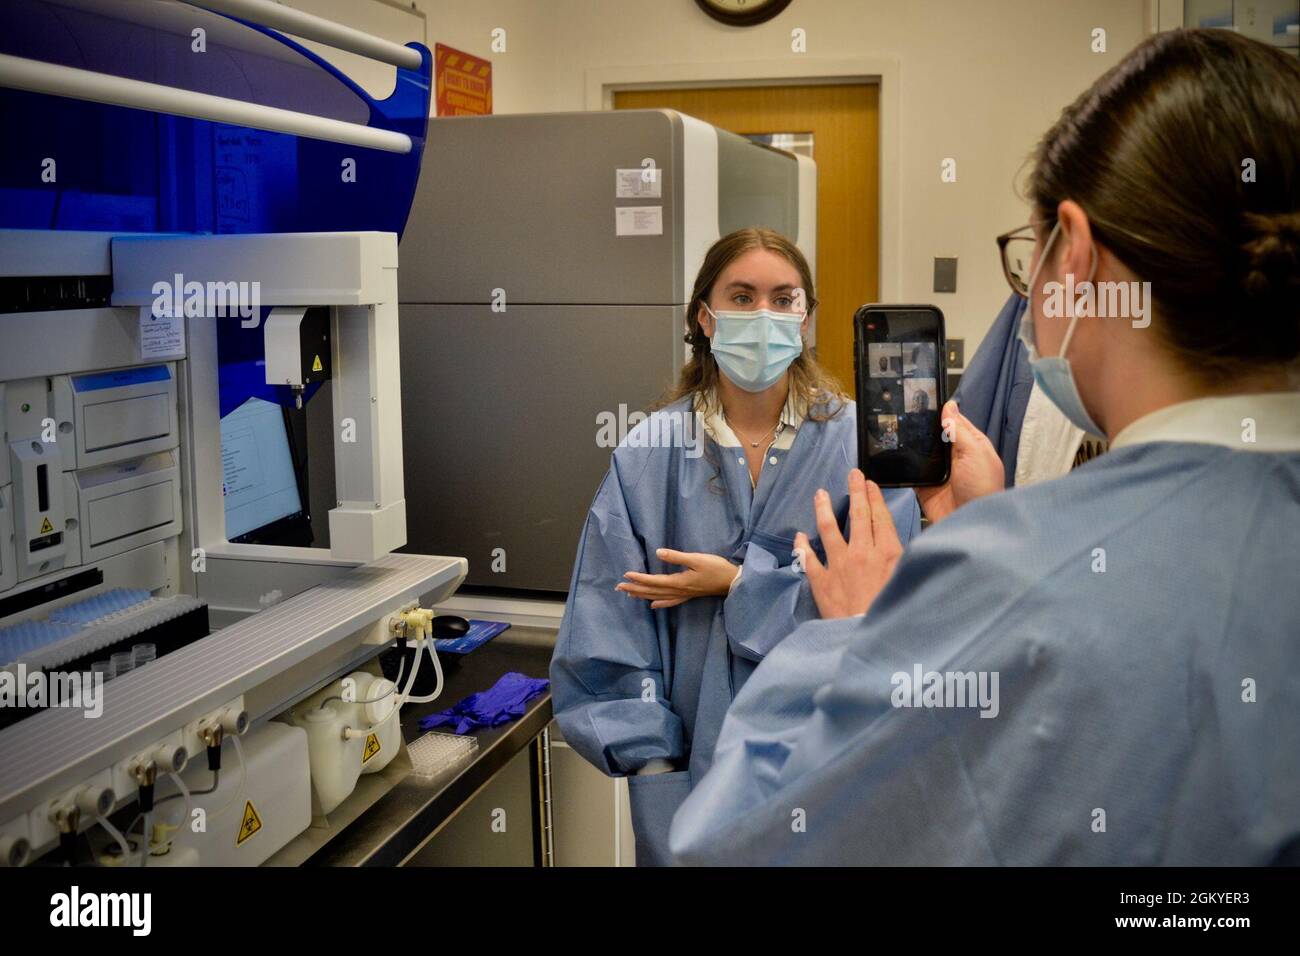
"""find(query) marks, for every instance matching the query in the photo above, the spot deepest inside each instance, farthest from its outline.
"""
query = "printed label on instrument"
(639, 221)
(372, 748)
(161, 336)
(638, 183)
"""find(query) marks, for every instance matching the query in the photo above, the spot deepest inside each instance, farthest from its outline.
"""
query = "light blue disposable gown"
(631, 684)
(1159, 698)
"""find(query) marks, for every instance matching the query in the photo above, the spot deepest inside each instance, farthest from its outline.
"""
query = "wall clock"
(742, 13)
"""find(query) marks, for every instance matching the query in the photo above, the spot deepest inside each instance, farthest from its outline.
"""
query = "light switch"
(945, 274)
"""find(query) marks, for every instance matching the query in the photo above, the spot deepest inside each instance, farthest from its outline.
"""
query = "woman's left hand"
(705, 574)
(856, 571)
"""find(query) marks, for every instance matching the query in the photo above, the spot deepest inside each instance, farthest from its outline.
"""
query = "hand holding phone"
(976, 468)
(900, 363)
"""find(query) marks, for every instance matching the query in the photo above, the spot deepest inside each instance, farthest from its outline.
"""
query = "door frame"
(602, 82)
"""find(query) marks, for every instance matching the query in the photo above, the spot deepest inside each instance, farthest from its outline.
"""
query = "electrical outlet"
(956, 353)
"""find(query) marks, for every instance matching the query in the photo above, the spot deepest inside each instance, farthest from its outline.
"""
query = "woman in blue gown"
(686, 575)
(1103, 668)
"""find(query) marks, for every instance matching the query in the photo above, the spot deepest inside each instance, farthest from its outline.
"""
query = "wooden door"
(844, 120)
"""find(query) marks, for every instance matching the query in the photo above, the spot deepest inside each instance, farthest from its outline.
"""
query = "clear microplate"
(434, 754)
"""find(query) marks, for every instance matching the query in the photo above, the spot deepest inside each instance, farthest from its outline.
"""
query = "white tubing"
(311, 27)
(116, 834)
(36, 76)
(243, 779)
(437, 668)
(188, 812)
(350, 734)
(185, 792)
(415, 669)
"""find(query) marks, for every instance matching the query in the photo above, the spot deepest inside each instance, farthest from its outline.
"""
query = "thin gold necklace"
(752, 444)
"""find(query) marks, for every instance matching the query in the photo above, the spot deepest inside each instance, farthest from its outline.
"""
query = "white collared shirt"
(1264, 421)
(1049, 442)
(792, 416)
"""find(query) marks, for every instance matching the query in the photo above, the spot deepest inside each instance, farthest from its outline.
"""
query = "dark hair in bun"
(1186, 157)
(1272, 258)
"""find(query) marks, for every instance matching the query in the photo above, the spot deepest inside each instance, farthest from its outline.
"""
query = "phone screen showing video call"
(900, 395)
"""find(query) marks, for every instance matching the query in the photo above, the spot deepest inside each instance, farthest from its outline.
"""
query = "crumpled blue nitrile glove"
(501, 703)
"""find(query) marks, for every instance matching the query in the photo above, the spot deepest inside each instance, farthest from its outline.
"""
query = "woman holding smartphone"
(685, 576)
(1103, 668)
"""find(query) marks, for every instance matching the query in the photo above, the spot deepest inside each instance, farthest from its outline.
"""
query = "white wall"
(979, 81)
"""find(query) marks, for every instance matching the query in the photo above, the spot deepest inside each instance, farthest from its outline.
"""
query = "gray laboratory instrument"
(545, 271)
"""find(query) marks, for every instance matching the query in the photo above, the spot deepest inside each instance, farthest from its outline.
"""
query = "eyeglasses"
(1017, 250)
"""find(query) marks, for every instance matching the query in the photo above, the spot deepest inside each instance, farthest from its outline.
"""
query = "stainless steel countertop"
(392, 814)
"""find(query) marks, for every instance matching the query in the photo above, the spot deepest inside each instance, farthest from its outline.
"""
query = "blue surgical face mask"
(1054, 375)
(754, 349)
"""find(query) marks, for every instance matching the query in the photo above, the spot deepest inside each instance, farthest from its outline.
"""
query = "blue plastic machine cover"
(138, 171)
(120, 169)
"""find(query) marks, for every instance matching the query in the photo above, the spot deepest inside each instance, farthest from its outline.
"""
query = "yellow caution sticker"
(316, 365)
(46, 527)
(250, 824)
(372, 748)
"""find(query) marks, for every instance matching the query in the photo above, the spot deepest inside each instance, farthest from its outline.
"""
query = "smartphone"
(899, 362)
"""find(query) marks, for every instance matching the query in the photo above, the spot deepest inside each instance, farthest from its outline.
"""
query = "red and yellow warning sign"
(372, 748)
(462, 83)
(249, 825)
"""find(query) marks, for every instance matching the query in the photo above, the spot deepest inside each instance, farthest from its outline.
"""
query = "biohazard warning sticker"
(372, 748)
(46, 527)
(250, 824)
